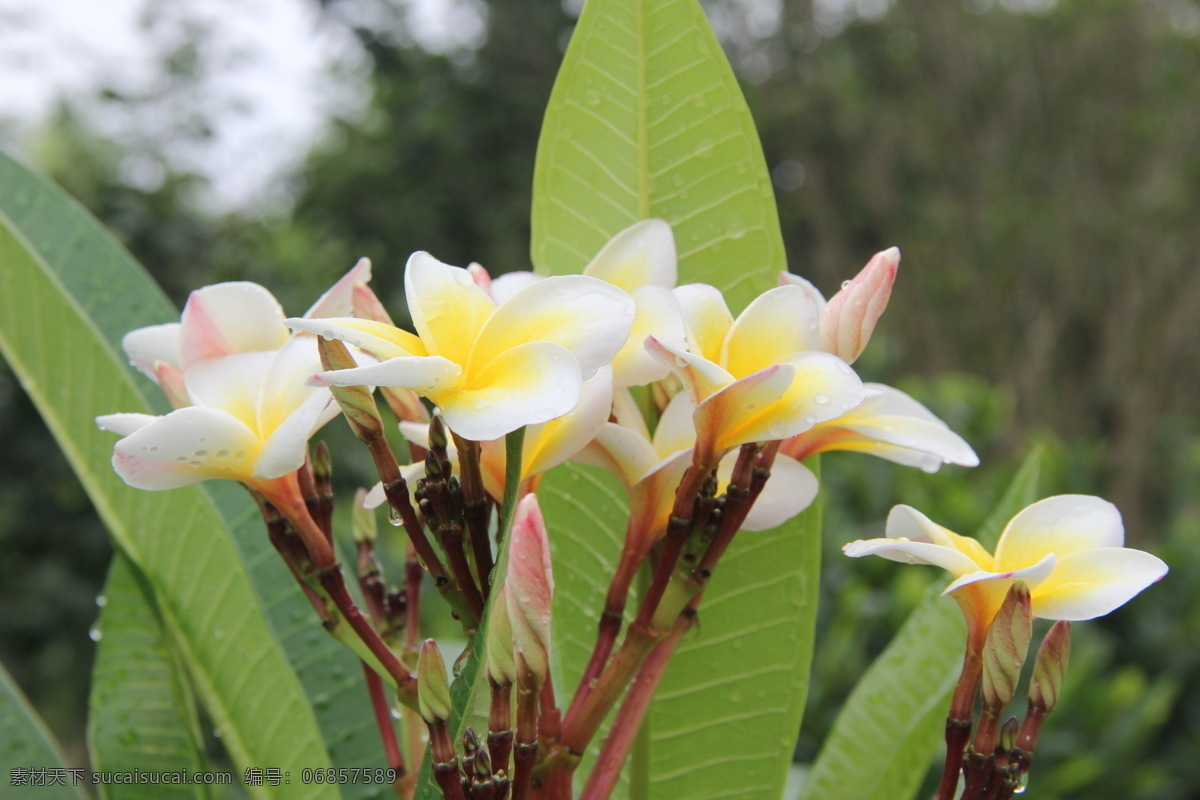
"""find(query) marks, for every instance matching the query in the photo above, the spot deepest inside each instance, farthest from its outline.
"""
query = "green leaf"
(646, 120)
(888, 731)
(727, 714)
(67, 292)
(142, 713)
(25, 744)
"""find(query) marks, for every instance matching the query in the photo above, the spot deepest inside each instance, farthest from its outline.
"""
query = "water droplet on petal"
(845, 284)
(680, 361)
(821, 398)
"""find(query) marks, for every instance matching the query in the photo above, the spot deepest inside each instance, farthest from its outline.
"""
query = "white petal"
(1033, 575)
(411, 474)
(749, 410)
(588, 317)
(890, 424)
(676, 429)
(551, 443)
(657, 315)
(778, 324)
(510, 283)
(625, 412)
(230, 383)
(642, 254)
(906, 552)
(448, 309)
(1062, 525)
(791, 279)
(426, 375)
(185, 447)
(286, 445)
(790, 489)
(905, 522)
(124, 424)
(706, 318)
(377, 338)
(702, 377)
(146, 346)
(236, 317)
(525, 385)
(623, 452)
(339, 300)
(1092, 583)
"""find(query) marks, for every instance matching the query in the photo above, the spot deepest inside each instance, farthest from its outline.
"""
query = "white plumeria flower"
(848, 319)
(641, 260)
(491, 368)
(652, 469)
(888, 424)
(1068, 549)
(760, 377)
(546, 445)
(237, 379)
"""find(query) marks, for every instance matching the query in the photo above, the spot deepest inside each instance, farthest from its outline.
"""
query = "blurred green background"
(1036, 162)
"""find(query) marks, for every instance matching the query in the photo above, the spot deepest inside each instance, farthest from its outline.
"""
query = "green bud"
(1006, 648)
(433, 689)
(357, 402)
(1051, 666)
(1007, 739)
(322, 463)
(501, 665)
(362, 520)
(437, 433)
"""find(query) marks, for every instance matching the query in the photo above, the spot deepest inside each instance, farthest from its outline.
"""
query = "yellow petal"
(1061, 525)
(448, 309)
(776, 326)
(706, 318)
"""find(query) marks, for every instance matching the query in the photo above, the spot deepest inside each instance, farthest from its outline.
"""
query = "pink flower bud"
(481, 277)
(1006, 648)
(528, 592)
(851, 314)
(1051, 666)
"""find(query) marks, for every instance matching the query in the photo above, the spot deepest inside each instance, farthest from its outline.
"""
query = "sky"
(272, 76)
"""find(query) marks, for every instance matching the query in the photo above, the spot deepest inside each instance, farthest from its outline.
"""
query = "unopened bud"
(356, 401)
(362, 520)
(405, 404)
(437, 434)
(1006, 648)
(367, 306)
(502, 668)
(483, 765)
(850, 316)
(1007, 739)
(322, 464)
(1051, 666)
(433, 689)
(529, 589)
(481, 276)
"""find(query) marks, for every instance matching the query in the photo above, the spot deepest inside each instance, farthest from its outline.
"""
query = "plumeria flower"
(653, 467)
(759, 377)
(491, 368)
(1068, 549)
(641, 260)
(546, 444)
(888, 424)
(848, 319)
(237, 379)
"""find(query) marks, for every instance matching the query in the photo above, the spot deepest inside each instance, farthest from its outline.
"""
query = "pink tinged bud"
(362, 520)
(501, 665)
(1051, 666)
(357, 402)
(529, 589)
(366, 305)
(481, 277)
(433, 688)
(851, 314)
(1006, 648)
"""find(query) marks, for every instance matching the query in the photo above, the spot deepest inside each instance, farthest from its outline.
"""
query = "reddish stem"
(525, 752)
(383, 719)
(958, 722)
(623, 732)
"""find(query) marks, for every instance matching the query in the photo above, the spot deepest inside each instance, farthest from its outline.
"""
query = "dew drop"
(217, 733)
(94, 633)
(680, 361)
(592, 97)
(845, 284)
(394, 518)
(222, 453)
(101, 600)
(821, 398)
(200, 453)
(705, 148)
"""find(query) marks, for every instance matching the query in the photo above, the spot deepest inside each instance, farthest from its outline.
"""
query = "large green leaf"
(26, 746)
(143, 717)
(68, 292)
(890, 727)
(646, 120)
